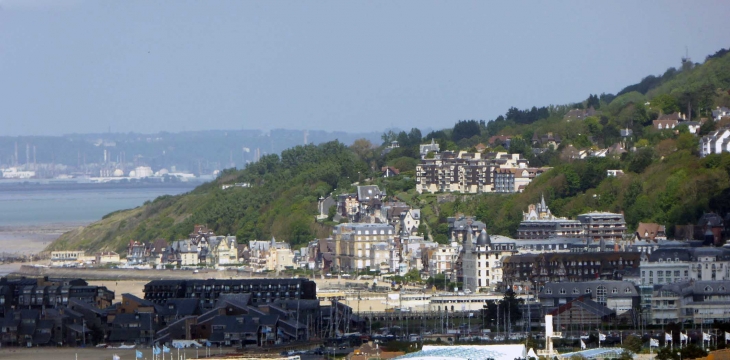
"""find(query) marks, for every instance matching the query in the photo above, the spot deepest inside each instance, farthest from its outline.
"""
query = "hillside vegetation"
(665, 181)
(281, 201)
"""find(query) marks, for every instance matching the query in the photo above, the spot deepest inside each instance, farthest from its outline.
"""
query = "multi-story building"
(270, 256)
(539, 223)
(262, 291)
(45, 293)
(354, 241)
(531, 269)
(443, 259)
(603, 226)
(691, 301)
(619, 296)
(363, 204)
(465, 172)
(460, 225)
(481, 261)
(667, 265)
(715, 142)
(512, 180)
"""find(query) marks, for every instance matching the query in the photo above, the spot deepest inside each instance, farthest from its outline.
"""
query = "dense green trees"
(465, 129)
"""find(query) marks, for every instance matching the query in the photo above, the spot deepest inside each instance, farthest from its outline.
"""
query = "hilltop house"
(650, 232)
(715, 142)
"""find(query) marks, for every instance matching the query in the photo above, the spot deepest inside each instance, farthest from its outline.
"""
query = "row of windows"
(588, 290)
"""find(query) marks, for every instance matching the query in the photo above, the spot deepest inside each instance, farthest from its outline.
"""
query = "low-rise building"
(67, 258)
(650, 232)
(107, 257)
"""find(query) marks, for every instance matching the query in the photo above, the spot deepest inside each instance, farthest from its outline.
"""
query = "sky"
(76, 66)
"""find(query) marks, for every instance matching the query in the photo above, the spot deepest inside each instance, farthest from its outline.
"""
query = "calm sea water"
(41, 207)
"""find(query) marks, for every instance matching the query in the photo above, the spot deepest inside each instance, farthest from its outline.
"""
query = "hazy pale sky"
(147, 66)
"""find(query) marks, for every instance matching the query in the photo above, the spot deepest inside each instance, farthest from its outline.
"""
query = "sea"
(80, 204)
(31, 217)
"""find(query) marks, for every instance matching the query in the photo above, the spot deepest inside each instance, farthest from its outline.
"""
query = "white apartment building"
(443, 259)
(667, 265)
(702, 302)
(715, 142)
(482, 261)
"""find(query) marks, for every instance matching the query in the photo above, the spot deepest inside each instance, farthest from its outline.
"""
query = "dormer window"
(575, 290)
(562, 291)
(614, 291)
(588, 291)
(549, 291)
(722, 288)
(708, 288)
(628, 290)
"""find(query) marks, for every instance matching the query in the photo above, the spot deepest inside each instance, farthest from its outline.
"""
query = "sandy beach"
(27, 241)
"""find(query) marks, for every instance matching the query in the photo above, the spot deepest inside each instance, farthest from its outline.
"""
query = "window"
(614, 291)
(575, 291)
(562, 291)
(549, 291)
(708, 288)
(601, 295)
(588, 291)
(628, 290)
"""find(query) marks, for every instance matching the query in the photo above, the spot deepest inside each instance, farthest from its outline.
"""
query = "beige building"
(443, 260)
(223, 250)
(107, 257)
(270, 255)
(354, 243)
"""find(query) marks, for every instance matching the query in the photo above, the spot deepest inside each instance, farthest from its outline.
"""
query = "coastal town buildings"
(539, 223)
(482, 261)
(618, 296)
(538, 269)
(694, 301)
(603, 226)
(354, 243)
(207, 292)
(270, 255)
(669, 264)
(473, 173)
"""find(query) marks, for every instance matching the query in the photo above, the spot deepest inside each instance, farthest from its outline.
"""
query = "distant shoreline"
(6, 185)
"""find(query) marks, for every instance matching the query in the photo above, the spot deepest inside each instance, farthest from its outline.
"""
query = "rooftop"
(496, 352)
